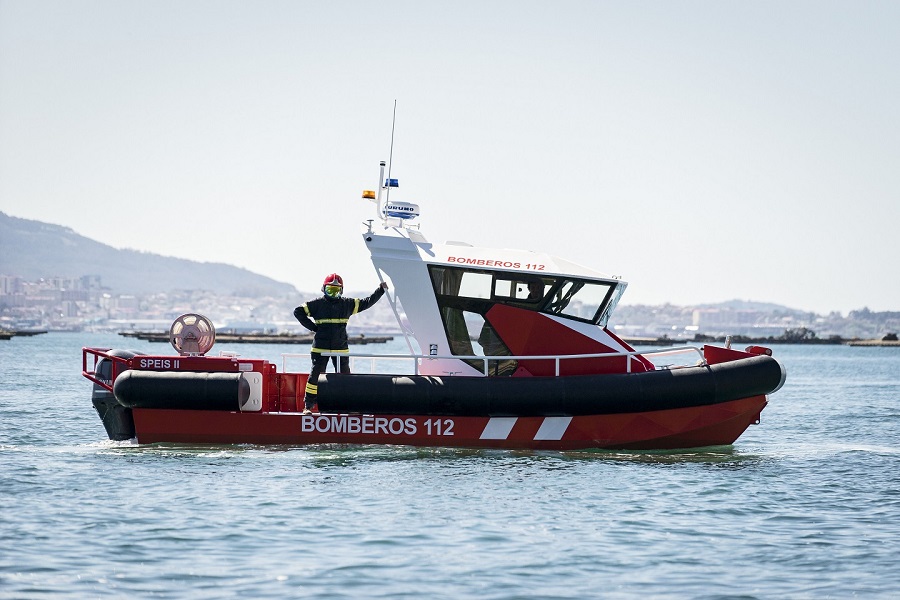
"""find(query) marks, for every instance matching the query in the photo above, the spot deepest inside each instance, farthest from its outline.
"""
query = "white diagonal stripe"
(553, 428)
(498, 428)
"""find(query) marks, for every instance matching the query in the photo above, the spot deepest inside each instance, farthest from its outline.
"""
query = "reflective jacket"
(331, 316)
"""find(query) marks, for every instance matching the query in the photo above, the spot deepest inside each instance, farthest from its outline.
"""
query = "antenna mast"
(396, 213)
(391, 154)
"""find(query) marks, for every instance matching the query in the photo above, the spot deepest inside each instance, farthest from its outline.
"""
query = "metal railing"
(118, 365)
(418, 359)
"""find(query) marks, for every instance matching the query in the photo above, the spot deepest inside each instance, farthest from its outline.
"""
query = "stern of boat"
(107, 365)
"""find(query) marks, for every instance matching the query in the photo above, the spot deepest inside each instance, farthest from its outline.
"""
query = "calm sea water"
(804, 505)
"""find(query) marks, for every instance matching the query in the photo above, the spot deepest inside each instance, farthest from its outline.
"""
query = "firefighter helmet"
(333, 286)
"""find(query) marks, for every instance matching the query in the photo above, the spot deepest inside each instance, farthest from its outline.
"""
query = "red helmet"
(333, 286)
(334, 279)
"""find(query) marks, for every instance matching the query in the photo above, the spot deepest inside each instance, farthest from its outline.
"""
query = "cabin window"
(521, 289)
(611, 305)
(580, 299)
(463, 298)
(484, 341)
(475, 285)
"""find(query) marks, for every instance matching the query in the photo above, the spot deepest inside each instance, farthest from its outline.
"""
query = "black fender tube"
(550, 396)
(182, 389)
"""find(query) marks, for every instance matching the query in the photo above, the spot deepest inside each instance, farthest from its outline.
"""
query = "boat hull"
(221, 400)
(690, 427)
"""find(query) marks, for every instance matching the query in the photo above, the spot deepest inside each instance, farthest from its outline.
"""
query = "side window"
(562, 297)
(475, 285)
(463, 298)
(580, 299)
(520, 289)
(486, 342)
(461, 284)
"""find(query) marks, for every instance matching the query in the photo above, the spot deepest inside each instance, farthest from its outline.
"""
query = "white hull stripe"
(553, 428)
(499, 428)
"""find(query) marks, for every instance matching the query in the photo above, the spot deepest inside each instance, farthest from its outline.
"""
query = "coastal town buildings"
(84, 304)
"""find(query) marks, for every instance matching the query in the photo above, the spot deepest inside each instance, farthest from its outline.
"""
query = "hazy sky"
(704, 151)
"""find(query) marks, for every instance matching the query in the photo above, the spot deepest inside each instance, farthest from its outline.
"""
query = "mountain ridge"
(34, 250)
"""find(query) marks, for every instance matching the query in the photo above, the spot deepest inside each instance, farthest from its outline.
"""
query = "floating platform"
(5, 335)
(892, 343)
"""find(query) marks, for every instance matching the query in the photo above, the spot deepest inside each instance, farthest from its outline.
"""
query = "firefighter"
(327, 317)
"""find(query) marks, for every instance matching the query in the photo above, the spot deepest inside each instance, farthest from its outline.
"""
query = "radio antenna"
(391, 154)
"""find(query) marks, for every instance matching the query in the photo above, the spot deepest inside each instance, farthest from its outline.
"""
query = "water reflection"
(347, 454)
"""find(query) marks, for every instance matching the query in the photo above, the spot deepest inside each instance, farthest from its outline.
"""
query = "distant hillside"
(33, 250)
(749, 305)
